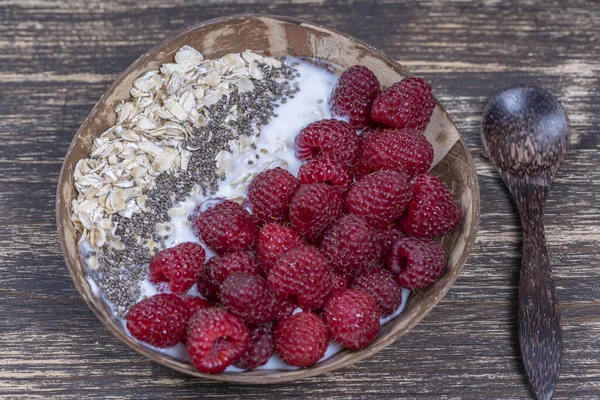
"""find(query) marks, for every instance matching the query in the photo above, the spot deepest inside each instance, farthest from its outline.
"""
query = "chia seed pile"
(120, 272)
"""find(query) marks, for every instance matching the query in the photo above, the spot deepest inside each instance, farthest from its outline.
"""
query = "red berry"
(301, 276)
(388, 236)
(301, 339)
(313, 208)
(207, 287)
(180, 266)
(215, 339)
(249, 297)
(432, 210)
(272, 242)
(270, 194)
(225, 227)
(352, 317)
(354, 94)
(159, 320)
(382, 287)
(351, 245)
(220, 267)
(260, 348)
(339, 280)
(327, 137)
(326, 170)
(193, 304)
(403, 150)
(285, 309)
(408, 103)
(380, 197)
(416, 263)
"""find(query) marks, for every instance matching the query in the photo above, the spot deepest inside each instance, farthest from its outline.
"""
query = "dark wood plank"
(56, 60)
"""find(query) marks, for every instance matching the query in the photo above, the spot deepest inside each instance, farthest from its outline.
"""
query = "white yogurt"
(310, 104)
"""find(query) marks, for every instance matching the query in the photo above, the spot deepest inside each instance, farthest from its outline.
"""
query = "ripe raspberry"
(382, 287)
(215, 339)
(193, 304)
(432, 210)
(249, 297)
(260, 348)
(327, 137)
(326, 170)
(408, 103)
(159, 320)
(207, 287)
(272, 242)
(352, 317)
(285, 309)
(416, 263)
(379, 197)
(313, 208)
(301, 276)
(403, 150)
(225, 227)
(351, 245)
(270, 194)
(388, 236)
(354, 94)
(301, 339)
(180, 266)
(220, 267)
(339, 280)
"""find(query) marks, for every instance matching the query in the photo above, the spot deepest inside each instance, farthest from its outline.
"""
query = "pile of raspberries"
(321, 256)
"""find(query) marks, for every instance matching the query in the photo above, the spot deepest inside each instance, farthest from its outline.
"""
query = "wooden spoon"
(525, 133)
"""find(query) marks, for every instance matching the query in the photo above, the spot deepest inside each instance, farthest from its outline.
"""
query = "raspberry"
(225, 227)
(354, 94)
(339, 280)
(270, 194)
(416, 263)
(285, 309)
(260, 348)
(326, 170)
(159, 320)
(193, 304)
(179, 266)
(403, 150)
(382, 287)
(351, 245)
(207, 287)
(301, 276)
(432, 210)
(301, 339)
(249, 297)
(408, 103)
(220, 267)
(388, 236)
(215, 339)
(327, 137)
(272, 242)
(352, 317)
(379, 197)
(313, 208)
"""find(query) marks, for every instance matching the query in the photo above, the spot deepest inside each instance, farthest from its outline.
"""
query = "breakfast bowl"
(277, 36)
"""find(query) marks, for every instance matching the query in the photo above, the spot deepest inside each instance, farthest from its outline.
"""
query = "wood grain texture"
(57, 58)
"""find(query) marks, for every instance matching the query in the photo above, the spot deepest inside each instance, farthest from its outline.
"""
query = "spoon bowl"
(525, 132)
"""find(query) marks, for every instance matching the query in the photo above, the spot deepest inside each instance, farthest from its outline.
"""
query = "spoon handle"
(540, 334)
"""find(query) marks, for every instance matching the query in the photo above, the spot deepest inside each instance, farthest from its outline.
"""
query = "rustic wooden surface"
(58, 57)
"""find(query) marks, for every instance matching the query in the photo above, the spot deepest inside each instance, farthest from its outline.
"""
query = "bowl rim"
(283, 375)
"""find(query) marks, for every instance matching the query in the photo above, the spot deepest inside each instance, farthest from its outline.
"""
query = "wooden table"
(57, 58)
